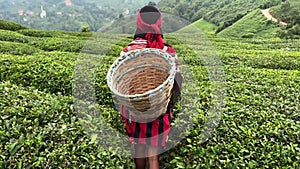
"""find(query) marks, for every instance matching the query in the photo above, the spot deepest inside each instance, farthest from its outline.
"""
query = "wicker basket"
(142, 81)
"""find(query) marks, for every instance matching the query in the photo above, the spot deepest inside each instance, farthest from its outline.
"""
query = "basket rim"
(129, 55)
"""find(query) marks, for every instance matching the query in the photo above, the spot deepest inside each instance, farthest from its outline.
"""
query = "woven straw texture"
(142, 81)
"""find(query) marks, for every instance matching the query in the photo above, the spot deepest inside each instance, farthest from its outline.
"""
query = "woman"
(148, 137)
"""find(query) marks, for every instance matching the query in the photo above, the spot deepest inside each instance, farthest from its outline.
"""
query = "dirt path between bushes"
(266, 13)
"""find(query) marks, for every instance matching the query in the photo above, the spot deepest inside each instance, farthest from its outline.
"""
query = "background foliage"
(259, 127)
(93, 14)
(39, 128)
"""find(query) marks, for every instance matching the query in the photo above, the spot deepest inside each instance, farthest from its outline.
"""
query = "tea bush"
(13, 36)
(40, 130)
(17, 48)
(41, 78)
(7, 25)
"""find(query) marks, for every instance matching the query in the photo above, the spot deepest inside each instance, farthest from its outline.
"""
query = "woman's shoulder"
(138, 43)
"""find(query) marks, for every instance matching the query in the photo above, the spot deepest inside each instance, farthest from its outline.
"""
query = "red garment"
(153, 28)
(151, 133)
(153, 32)
(156, 131)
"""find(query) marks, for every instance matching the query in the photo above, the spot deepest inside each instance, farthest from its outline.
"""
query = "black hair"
(141, 34)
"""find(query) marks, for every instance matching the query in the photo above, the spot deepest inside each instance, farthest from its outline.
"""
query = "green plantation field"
(253, 24)
(259, 127)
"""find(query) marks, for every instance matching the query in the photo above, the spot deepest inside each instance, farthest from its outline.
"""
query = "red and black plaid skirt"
(154, 132)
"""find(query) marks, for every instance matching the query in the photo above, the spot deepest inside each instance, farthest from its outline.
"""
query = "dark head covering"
(149, 22)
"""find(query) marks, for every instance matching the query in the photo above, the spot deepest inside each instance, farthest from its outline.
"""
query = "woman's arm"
(177, 86)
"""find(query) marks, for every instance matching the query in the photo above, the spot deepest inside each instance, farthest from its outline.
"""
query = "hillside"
(127, 24)
(239, 18)
(43, 126)
(222, 13)
(204, 26)
(288, 12)
(253, 25)
(63, 16)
